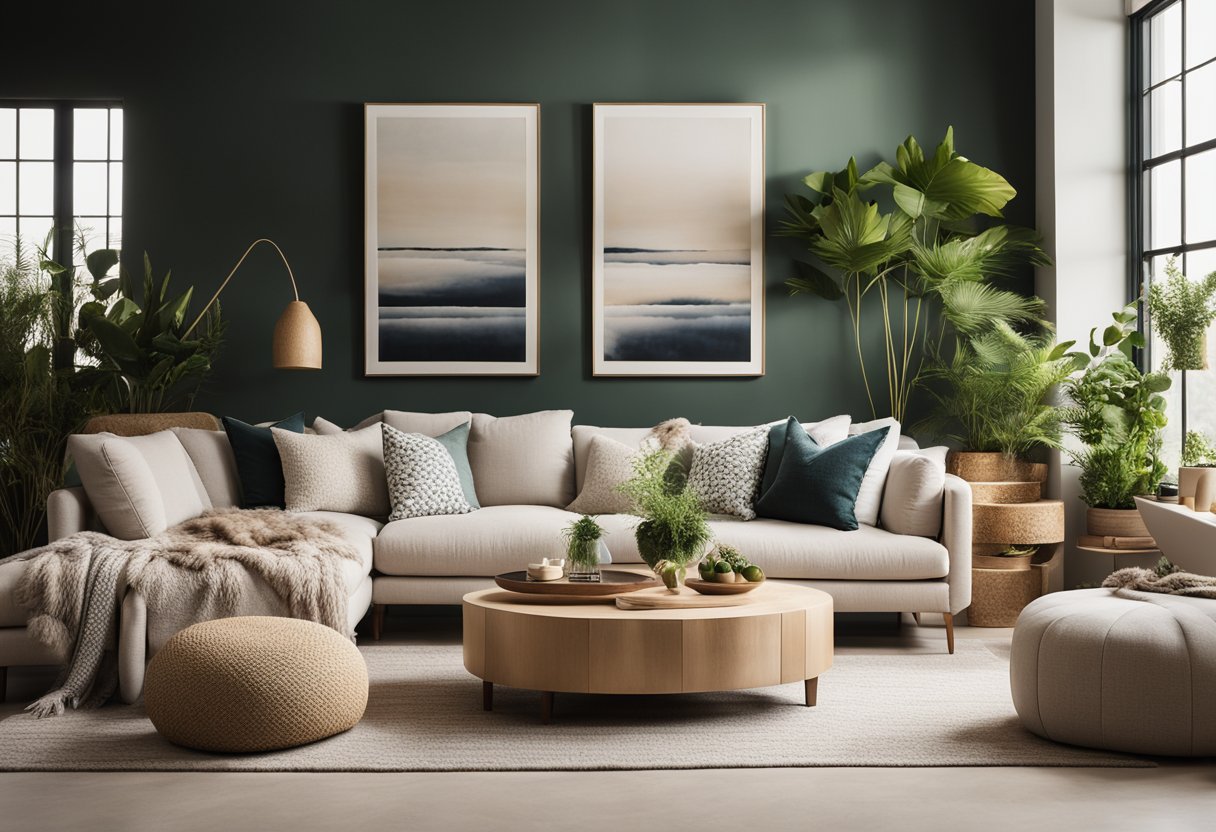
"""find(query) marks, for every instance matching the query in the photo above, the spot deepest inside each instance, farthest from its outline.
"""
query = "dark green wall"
(245, 120)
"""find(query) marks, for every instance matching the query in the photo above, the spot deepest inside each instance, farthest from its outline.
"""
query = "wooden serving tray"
(612, 582)
(686, 599)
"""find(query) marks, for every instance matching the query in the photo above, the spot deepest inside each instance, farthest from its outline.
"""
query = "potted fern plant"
(1118, 414)
(673, 531)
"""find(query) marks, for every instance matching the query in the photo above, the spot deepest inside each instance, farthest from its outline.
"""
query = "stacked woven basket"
(1009, 513)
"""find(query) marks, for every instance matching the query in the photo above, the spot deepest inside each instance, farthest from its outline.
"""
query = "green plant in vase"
(673, 531)
(1198, 451)
(583, 549)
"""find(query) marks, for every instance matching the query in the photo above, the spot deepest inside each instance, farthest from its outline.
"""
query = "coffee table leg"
(812, 689)
(546, 707)
(487, 696)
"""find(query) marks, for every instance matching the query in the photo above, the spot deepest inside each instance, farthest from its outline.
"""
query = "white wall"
(1081, 91)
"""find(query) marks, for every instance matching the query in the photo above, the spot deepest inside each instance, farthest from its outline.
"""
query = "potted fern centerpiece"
(673, 531)
(584, 540)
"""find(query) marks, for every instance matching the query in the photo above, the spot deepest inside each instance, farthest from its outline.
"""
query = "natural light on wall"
(1177, 86)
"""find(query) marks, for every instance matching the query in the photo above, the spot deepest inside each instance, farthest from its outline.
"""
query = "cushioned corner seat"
(1126, 671)
(255, 683)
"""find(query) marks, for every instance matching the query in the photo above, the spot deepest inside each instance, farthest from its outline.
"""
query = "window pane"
(34, 231)
(36, 194)
(1199, 264)
(90, 133)
(93, 231)
(1165, 44)
(116, 188)
(1200, 31)
(1201, 105)
(37, 134)
(115, 232)
(8, 133)
(8, 237)
(8, 187)
(1201, 197)
(1165, 119)
(1164, 205)
(89, 188)
(116, 133)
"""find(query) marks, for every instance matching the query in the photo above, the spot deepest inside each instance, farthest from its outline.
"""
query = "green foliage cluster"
(1181, 311)
(929, 262)
(1197, 450)
(673, 525)
(1118, 413)
(582, 541)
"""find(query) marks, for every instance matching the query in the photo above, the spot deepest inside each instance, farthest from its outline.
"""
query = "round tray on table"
(612, 582)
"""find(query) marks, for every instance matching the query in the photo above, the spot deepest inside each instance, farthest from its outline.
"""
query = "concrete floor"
(1175, 796)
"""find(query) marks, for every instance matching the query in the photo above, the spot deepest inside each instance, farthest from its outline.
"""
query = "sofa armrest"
(956, 537)
(68, 511)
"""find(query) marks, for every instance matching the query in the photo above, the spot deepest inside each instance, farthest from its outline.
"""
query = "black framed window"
(60, 168)
(1174, 175)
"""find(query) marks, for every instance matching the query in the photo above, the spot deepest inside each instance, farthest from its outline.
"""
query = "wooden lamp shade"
(297, 339)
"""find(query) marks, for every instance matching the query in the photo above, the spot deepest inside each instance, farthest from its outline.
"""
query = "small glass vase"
(583, 562)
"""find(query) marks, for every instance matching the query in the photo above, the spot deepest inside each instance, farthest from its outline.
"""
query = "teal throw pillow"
(814, 484)
(457, 443)
(257, 460)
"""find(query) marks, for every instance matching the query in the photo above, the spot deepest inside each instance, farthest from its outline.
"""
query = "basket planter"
(1115, 522)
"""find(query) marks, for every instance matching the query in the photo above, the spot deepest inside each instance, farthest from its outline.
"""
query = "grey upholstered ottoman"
(1129, 672)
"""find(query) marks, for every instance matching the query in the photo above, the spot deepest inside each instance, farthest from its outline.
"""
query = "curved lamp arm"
(297, 335)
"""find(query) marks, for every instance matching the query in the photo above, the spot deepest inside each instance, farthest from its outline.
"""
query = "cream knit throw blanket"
(73, 587)
(1175, 583)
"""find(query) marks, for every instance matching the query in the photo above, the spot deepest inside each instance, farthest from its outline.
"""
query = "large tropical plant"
(926, 253)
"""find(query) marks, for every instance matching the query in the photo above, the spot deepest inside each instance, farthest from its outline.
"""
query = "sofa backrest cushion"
(609, 463)
(138, 485)
(582, 436)
(211, 453)
(257, 459)
(406, 421)
(523, 460)
(869, 497)
(343, 472)
(912, 499)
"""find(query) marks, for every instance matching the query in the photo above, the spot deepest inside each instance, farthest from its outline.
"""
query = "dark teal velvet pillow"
(257, 460)
(457, 442)
(814, 484)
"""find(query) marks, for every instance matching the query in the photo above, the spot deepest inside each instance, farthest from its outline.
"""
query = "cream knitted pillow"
(343, 472)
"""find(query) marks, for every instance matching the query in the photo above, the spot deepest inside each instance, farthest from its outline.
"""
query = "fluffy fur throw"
(1174, 583)
(74, 586)
(671, 435)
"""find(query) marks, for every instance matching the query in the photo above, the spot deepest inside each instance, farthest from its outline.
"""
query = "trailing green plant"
(1197, 451)
(1118, 413)
(995, 392)
(926, 261)
(673, 525)
(1181, 310)
(582, 541)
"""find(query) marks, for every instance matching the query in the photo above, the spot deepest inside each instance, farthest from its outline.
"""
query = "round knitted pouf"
(1129, 672)
(255, 683)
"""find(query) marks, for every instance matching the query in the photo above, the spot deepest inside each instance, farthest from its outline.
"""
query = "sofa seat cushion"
(483, 543)
(11, 613)
(796, 550)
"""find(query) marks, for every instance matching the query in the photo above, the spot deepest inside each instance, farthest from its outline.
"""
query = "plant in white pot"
(1118, 413)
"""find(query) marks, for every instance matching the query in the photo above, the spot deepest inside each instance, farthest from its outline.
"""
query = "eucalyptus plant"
(926, 260)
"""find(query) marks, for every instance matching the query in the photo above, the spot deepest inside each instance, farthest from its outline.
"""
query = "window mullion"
(63, 225)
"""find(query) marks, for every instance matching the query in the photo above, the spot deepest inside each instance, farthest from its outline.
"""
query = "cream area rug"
(425, 714)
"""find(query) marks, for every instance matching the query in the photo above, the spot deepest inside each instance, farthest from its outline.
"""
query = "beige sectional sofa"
(526, 469)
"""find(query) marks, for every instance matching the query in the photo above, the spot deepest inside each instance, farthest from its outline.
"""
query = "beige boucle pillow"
(609, 463)
(343, 472)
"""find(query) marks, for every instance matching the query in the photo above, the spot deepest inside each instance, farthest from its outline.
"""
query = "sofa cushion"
(726, 474)
(138, 485)
(869, 496)
(257, 459)
(406, 421)
(211, 453)
(422, 476)
(483, 543)
(795, 550)
(609, 463)
(523, 460)
(582, 436)
(828, 432)
(912, 499)
(11, 613)
(343, 472)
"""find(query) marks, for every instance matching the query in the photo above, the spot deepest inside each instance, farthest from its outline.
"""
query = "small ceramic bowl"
(540, 572)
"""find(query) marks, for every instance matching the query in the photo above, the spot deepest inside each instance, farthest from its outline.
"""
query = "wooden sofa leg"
(949, 619)
(377, 621)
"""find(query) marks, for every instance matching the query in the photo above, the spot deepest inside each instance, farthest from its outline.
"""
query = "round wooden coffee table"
(553, 644)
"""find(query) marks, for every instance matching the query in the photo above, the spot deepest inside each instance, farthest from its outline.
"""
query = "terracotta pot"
(984, 466)
(1191, 481)
(1115, 522)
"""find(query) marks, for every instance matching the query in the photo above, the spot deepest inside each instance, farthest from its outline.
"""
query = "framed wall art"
(678, 240)
(452, 255)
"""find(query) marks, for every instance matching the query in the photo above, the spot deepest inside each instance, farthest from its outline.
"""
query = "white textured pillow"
(211, 453)
(726, 474)
(609, 463)
(428, 424)
(523, 460)
(422, 477)
(138, 485)
(912, 499)
(869, 496)
(343, 472)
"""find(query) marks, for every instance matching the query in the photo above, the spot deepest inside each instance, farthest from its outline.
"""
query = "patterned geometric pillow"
(726, 474)
(422, 477)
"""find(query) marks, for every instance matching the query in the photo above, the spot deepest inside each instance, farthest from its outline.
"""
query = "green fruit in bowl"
(753, 574)
(723, 568)
(706, 568)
